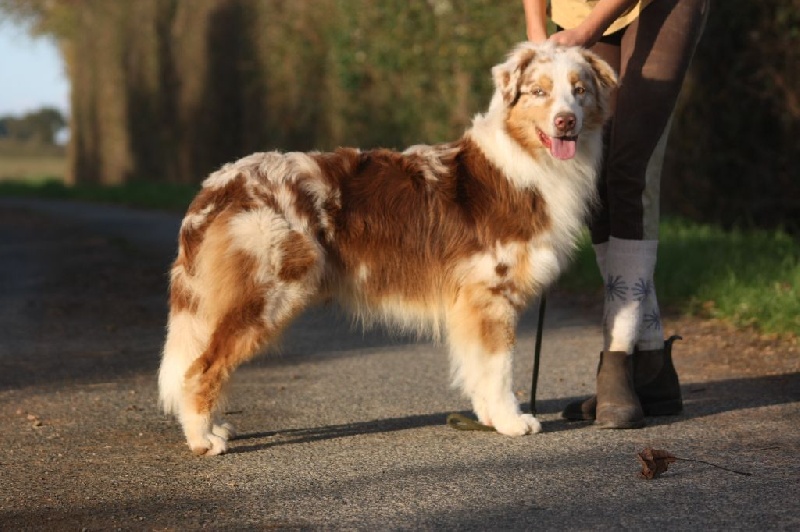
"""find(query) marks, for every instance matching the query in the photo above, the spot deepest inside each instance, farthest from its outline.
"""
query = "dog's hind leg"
(236, 338)
(187, 338)
(257, 274)
(481, 336)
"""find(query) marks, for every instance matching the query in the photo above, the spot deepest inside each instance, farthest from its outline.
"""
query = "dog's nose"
(565, 123)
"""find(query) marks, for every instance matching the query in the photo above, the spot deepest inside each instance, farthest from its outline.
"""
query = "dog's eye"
(579, 90)
(538, 92)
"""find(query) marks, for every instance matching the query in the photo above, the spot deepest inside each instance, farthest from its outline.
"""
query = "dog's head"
(553, 94)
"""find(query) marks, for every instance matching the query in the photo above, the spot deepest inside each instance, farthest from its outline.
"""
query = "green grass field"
(31, 162)
(143, 195)
(32, 167)
(750, 278)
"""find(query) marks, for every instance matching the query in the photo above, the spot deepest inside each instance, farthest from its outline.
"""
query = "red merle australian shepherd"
(451, 240)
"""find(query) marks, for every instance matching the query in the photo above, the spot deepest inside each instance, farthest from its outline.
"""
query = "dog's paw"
(518, 425)
(224, 430)
(208, 445)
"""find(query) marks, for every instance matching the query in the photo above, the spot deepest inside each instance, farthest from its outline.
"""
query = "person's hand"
(573, 37)
(588, 32)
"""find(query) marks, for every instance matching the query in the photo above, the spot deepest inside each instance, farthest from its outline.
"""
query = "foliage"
(171, 89)
(732, 154)
(51, 18)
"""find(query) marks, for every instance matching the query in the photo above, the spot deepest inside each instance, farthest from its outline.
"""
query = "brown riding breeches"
(655, 52)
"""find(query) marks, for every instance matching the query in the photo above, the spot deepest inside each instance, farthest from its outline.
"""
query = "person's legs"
(653, 57)
(611, 54)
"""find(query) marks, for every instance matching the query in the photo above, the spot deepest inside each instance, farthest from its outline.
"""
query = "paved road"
(340, 428)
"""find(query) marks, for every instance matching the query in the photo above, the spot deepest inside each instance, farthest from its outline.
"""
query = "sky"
(31, 73)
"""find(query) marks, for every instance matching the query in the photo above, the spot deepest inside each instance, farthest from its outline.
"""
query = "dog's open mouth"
(560, 147)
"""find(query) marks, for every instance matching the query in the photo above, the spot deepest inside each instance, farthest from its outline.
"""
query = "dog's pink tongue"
(562, 148)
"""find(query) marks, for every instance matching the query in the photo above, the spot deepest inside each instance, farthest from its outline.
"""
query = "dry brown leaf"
(654, 462)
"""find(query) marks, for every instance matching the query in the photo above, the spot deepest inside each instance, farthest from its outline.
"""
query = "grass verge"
(138, 194)
(750, 278)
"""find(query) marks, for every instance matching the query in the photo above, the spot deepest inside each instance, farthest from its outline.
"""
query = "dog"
(450, 240)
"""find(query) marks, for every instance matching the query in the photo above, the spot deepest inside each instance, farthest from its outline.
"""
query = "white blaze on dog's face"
(552, 94)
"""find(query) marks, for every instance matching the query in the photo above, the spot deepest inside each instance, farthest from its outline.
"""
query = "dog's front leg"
(481, 336)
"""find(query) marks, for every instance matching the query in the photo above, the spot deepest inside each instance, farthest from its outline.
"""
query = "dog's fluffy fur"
(451, 240)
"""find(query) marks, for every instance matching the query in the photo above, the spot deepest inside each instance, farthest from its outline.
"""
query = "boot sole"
(625, 425)
(664, 408)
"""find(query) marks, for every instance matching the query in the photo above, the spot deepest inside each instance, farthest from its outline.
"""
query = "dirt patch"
(736, 352)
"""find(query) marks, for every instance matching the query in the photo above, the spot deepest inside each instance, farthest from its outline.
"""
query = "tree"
(40, 127)
(171, 89)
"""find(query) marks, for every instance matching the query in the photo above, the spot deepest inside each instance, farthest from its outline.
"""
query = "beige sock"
(629, 294)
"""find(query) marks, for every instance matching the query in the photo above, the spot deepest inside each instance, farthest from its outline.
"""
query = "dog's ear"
(604, 76)
(507, 75)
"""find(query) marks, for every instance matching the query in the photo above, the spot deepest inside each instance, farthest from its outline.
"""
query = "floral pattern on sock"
(652, 320)
(642, 289)
(616, 288)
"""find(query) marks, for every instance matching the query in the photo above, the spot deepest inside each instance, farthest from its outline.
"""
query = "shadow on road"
(700, 400)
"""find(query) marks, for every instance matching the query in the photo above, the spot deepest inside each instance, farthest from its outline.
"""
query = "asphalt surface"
(341, 428)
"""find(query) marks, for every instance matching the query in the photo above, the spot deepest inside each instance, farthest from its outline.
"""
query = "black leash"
(537, 350)
(462, 422)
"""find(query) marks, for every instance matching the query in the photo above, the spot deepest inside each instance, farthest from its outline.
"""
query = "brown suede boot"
(655, 382)
(618, 406)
